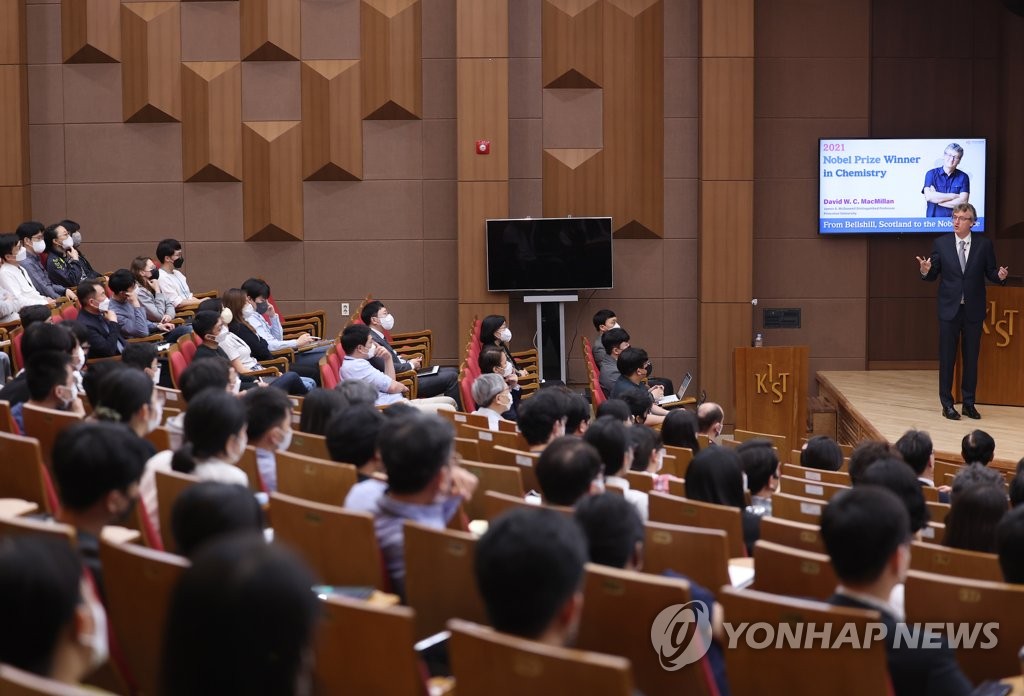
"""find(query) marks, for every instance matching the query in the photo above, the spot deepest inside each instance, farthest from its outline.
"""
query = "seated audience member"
(867, 534)
(62, 263)
(680, 429)
(1017, 490)
(634, 366)
(269, 430)
(977, 446)
(210, 510)
(542, 418)
(611, 440)
(494, 360)
(1010, 546)
(494, 331)
(915, 446)
(617, 408)
(158, 306)
(975, 475)
(974, 516)
(715, 476)
(105, 339)
(145, 357)
(32, 237)
(32, 314)
(604, 321)
(352, 439)
(821, 452)
(710, 420)
(577, 413)
(529, 571)
(96, 469)
(567, 470)
(445, 381)
(359, 349)
(128, 396)
(51, 384)
(760, 464)
(172, 282)
(356, 393)
(53, 626)
(131, 316)
(640, 404)
(20, 292)
(649, 454)
(867, 453)
(613, 341)
(895, 475)
(75, 230)
(242, 620)
(211, 373)
(37, 338)
(259, 313)
(215, 439)
(493, 398)
(242, 324)
(320, 405)
(417, 451)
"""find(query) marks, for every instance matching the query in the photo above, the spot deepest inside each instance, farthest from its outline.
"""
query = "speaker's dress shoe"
(950, 413)
(971, 412)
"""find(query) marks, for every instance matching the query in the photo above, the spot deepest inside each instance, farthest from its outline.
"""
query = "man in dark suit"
(964, 261)
(99, 320)
(866, 531)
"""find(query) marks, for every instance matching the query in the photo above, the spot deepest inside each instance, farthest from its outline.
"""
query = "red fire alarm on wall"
(483, 147)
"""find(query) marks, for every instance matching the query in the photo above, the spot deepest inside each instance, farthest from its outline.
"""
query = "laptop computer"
(678, 396)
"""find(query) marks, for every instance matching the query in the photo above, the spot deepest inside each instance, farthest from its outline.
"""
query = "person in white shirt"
(611, 439)
(13, 278)
(172, 281)
(493, 396)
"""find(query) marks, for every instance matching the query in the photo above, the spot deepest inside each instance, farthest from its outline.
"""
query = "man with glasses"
(946, 187)
(964, 261)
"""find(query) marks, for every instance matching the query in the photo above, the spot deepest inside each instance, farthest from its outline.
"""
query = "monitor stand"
(551, 334)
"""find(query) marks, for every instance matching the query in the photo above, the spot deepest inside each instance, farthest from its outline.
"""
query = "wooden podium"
(770, 390)
(1001, 361)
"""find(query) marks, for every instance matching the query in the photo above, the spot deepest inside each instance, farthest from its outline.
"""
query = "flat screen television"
(542, 254)
(898, 186)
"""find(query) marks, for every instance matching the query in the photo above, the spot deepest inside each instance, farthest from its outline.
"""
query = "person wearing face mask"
(99, 320)
(243, 323)
(493, 398)
(32, 237)
(604, 320)
(20, 292)
(74, 229)
(145, 358)
(159, 308)
(542, 418)
(269, 414)
(634, 366)
(62, 264)
(51, 384)
(171, 280)
(131, 316)
(215, 438)
(54, 625)
(96, 469)
(445, 381)
(494, 331)
(128, 396)
(493, 360)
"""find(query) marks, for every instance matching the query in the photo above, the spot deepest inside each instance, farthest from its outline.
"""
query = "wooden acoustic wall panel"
(573, 182)
(478, 201)
(332, 126)
(151, 73)
(482, 107)
(14, 154)
(272, 181)
(392, 65)
(13, 48)
(727, 28)
(90, 31)
(727, 118)
(211, 124)
(270, 29)
(726, 242)
(481, 28)
(572, 44)
(634, 116)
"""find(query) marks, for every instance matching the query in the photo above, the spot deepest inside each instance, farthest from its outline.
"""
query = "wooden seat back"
(840, 478)
(700, 554)
(247, 463)
(169, 485)
(619, 609)
(22, 473)
(496, 503)
(797, 671)
(522, 459)
(671, 509)
(943, 560)
(797, 508)
(682, 456)
(475, 420)
(796, 535)
(804, 488)
(488, 663)
(19, 526)
(138, 583)
(439, 579)
(339, 545)
(45, 424)
(311, 478)
(937, 511)
(793, 572)
(309, 444)
(492, 477)
(780, 442)
(7, 424)
(16, 682)
(467, 448)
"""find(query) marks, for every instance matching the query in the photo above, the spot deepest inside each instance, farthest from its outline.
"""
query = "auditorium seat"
(797, 508)
(793, 572)
(19, 526)
(778, 441)
(672, 509)
(247, 463)
(45, 424)
(700, 554)
(310, 445)
(169, 485)
(475, 420)
(682, 458)
(523, 459)
(16, 682)
(804, 488)
(317, 480)
(797, 535)
(839, 478)
(22, 473)
(943, 560)
(937, 511)
(491, 477)
(488, 663)
(497, 503)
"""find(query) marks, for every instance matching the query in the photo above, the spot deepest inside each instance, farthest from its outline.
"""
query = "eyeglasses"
(952, 155)
(963, 218)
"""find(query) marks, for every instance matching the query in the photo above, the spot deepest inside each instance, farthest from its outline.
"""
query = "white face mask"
(509, 369)
(72, 395)
(156, 417)
(78, 358)
(97, 641)
(233, 457)
(504, 400)
(20, 255)
(286, 440)
(236, 386)
(387, 322)
(223, 333)
(156, 375)
(38, 246)
(76, 237)
(505, 335)
(372, 351)
(67, 243)
(104, 305)
(226, 316)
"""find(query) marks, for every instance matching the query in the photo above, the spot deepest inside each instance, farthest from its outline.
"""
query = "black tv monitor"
(898, 185)
(544, 254)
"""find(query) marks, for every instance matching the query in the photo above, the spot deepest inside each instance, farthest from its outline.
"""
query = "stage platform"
(886, 403)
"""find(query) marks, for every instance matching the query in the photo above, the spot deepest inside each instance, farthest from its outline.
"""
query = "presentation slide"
(898, 186)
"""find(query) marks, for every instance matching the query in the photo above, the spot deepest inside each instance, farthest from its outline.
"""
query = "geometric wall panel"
(211, 123)
(270, 29)
(392, 51)
(332, 126)
(573, 182)
(151, 73)
(572, 55)
(272, 180)
(634, 110)
(90, 31)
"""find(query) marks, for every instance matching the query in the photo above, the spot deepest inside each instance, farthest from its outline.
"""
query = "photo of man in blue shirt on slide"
(946, 187)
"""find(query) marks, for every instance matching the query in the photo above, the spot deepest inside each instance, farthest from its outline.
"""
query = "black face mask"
(154, 274)
(179, 262)
(262, 307)
(127, 513)
(650, 368)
